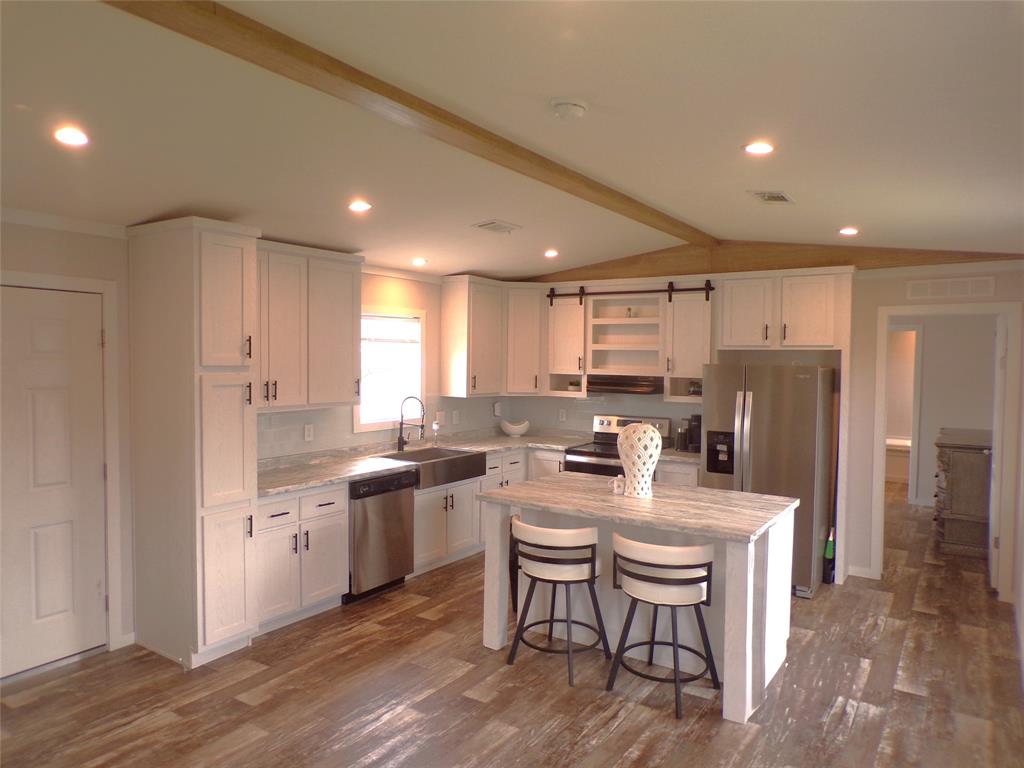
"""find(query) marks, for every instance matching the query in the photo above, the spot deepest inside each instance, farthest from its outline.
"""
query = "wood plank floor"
(917, 669)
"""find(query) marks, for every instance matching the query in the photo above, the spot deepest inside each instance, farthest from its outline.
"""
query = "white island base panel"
(748, 619)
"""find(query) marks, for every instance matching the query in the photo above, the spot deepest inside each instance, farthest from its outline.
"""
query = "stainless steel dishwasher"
(380, 511)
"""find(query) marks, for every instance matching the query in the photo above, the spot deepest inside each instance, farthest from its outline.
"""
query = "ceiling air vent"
(773, 198)
(497, 226)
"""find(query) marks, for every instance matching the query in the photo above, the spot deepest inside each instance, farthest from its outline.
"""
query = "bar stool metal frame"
(516, 546)
(644, 571)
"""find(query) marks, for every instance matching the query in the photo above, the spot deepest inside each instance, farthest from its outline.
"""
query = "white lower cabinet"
(463, 518)
(299, 563)
(229, 605)
(676, 473)
(546, 463)
(277, 572)
(446, 523)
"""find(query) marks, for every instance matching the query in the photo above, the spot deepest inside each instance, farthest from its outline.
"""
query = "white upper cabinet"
(227, 305)
(748, 312)
(808, 311)
(228, 437)
(565, 336)
(472, 337)
(283, 281)
(334, 312)
(689, 334)
(523, 327)
(310, 304)
(785, 311)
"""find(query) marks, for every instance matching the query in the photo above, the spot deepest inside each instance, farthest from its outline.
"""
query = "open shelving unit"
(625, 335)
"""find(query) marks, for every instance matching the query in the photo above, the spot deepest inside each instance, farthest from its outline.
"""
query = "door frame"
(1005, 411)
(914, 457)
(117, 636)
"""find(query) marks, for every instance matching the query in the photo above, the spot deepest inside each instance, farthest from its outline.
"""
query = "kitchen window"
(392, 368)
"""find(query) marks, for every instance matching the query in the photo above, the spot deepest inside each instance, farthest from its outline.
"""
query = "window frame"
(405, 312)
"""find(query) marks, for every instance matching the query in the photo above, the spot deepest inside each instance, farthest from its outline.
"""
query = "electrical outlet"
(455, 417)
(307, 433)
(561, 414)
(439, 417)
(497, 408)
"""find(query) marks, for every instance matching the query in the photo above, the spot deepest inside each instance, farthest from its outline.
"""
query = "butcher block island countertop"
(727, 515)
(751, 583)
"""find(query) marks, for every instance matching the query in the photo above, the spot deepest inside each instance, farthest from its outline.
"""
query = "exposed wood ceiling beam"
(238, 35)
(748, 256)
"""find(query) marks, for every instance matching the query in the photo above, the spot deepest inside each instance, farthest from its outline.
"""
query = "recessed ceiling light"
(567, 109)
(359, 206)
(550, 253)
(759, 148)
(848, 231)
(419, 261)
(71, 136)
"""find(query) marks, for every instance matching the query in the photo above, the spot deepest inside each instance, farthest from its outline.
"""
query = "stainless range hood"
(626, 385)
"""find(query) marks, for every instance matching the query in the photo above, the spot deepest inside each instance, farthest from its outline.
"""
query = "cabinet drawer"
(271, 514)
(493, 463)
(512, 461)
(319, 504)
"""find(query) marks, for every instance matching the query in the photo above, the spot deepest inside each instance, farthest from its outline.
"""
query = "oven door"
(593, 465)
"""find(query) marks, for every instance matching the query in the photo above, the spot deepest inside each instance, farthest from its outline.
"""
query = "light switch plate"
(497, 408)
(455, 417)
(307, 433)
(561, 414)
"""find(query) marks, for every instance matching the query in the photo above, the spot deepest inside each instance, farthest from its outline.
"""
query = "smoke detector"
(497, 226)
(771, 198)
(567, 109)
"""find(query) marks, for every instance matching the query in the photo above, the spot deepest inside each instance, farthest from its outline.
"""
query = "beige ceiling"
(179, 128)
(905, 119)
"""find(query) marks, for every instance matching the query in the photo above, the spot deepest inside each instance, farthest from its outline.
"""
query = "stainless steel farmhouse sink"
(441, 466)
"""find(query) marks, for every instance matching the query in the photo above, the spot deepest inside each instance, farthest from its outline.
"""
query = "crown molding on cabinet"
(193, 222)
(747, 256)
(62, 223)
(240, 36)
(401, 274)
(306, 250)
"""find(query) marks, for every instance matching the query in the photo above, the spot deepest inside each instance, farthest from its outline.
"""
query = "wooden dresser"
(962, 490)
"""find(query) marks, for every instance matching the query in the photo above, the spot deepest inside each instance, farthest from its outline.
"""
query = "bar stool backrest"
(561, 549)
(674, 566)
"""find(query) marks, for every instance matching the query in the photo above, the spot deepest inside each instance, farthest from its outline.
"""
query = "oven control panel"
(612, 425)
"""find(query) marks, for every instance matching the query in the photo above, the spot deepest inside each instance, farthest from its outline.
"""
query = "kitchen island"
(748, 620)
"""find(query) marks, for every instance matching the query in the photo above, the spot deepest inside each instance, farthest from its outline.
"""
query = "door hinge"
(103, 338)
(995, 542)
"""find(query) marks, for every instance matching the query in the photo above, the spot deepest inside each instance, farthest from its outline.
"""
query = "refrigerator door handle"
(737, 444)
(747, 458)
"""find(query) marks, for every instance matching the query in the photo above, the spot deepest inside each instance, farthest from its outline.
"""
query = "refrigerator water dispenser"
(720, 451)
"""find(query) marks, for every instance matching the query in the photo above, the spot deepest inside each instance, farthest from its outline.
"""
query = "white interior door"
(53, 519)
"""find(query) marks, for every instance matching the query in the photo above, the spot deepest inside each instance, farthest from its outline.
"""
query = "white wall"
(899, 405)
(957, 385)
(26, 248)
(873, 289)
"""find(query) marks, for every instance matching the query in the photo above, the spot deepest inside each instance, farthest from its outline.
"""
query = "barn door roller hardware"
(706, 289)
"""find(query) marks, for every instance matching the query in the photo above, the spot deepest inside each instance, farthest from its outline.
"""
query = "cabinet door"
(323, 544)
(463, 518)
(747, 312)
(286, 329)
(808, 311)
(430, 540)
(228, 585)
(277, 571)
(565, 336)
(228, 423)
(228, 299)
(677, 474)
(523, 368)
(516, 475)
(690, 333)
(544, 466)
(485, 339)
(334, 311)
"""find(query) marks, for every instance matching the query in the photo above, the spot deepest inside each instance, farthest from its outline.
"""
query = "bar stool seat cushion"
(553, 572)
(665, 594)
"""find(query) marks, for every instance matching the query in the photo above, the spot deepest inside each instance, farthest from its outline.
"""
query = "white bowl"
(514, 430)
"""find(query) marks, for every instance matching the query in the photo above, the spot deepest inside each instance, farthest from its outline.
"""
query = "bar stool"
(556, 556)
(664, 576)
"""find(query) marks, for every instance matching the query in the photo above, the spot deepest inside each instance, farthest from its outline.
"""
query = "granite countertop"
(950, 437)
(728, 515)
(312, 470)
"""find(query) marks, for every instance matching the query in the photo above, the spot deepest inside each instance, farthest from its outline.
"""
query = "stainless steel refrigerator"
(771, 429)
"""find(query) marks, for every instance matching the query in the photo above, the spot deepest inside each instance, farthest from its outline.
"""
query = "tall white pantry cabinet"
(195, 382)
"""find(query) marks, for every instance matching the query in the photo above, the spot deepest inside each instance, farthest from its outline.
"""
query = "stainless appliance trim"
(593, 460)
(738, 465)
(748, 463)
(381, 528)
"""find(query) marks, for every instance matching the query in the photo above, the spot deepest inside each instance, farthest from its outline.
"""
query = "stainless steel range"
(601, 457)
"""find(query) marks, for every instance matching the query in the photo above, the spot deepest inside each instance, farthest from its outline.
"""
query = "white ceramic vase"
(639, 449)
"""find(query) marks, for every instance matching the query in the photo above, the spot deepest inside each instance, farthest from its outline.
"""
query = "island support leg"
(496, 586)
(739, 699)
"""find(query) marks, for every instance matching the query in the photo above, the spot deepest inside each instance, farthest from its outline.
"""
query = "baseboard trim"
(864, 572)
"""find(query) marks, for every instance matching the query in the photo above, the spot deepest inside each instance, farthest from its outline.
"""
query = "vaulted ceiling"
(903, 119)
